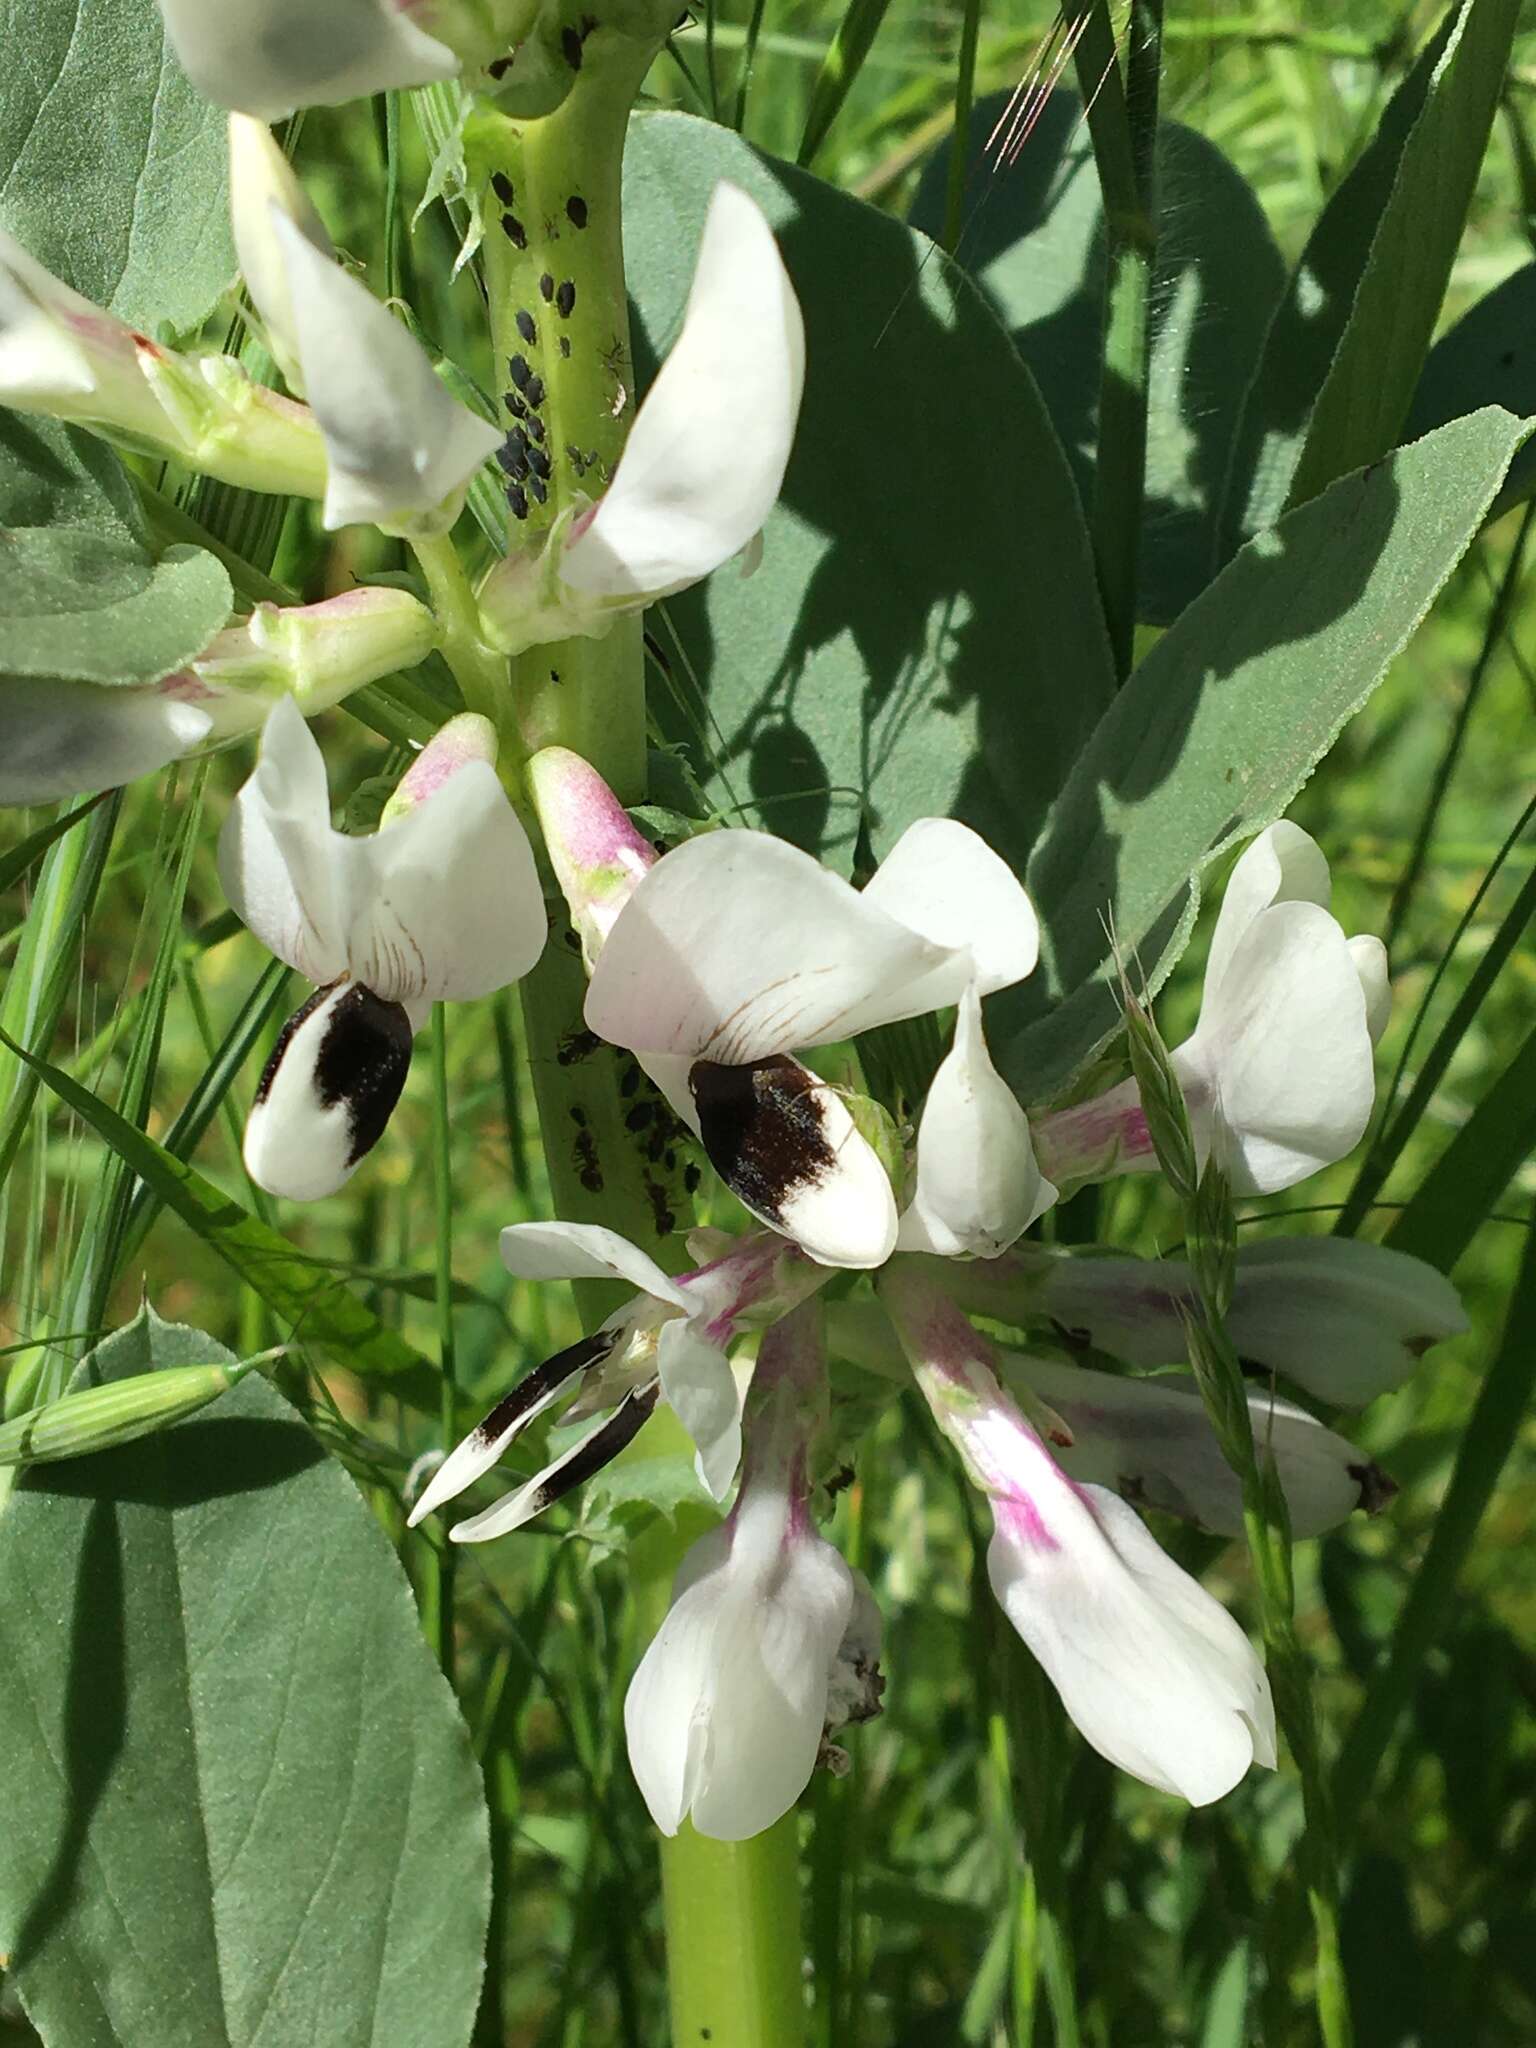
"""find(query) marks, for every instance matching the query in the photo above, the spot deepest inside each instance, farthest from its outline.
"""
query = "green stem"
(554, 271)
(479, 671)
(733, 1939)
(445, 1558)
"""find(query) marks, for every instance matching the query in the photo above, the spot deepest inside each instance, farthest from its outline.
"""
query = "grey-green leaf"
(112, 169)
(924, 633)
(82, 597)
(241, 1807)
(1487, 358)
(1225, 719)
(1033, 238)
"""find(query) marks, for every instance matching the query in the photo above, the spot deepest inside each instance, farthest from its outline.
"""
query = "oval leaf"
(242, 1810)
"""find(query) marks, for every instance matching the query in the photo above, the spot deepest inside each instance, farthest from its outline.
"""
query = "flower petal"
(1284, 1048)
(943, 880)
(1370, 958)
(474, 1456)
(1154, 1673)
(978, 1187)
(327, 1092)
(785, 1145)
(1150, 1439)
(266, 57)
(725, 1715)
(39, 358)
(277, 855)
(698, 1385)
(1282, 865)
(445, 902)
(737, 945)
(706, 456)
(397, 444)
(262, 184)
(584, 1251)
(571, 1469)
(66, 738)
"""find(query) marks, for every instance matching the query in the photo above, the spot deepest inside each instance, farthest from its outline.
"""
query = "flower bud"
(598, 854)
(466, 738)
(98, 1418)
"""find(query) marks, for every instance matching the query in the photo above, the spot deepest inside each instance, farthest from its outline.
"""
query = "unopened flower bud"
(99, 1418)
(598, 854)
(466, 738)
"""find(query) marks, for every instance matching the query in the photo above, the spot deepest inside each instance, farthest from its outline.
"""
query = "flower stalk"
(1212, 1237)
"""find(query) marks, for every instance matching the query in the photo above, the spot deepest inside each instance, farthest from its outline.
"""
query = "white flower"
(704, 461)
(63, 357)
(671, 1340)
(1156, 1675)
(978, 1187)
(1279, 1073)
(737, 949)
(400, 450)
(768, 1631)
(266, 57)
(441, 902)
(1343, 1319)
(63, 738)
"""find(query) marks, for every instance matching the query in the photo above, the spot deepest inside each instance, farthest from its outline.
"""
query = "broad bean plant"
(736, 645)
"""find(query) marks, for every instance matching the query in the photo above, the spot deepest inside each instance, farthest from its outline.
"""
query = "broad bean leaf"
(241, 1805)
(1328, 322)
(924, 632)
(1033, 238)
(112, 169)
(83, 598)
(1487, 358)
(1222, 723)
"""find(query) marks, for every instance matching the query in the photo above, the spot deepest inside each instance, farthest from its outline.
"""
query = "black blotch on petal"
(362, 1060)
(600, 1448)
(533, 1386)
(763, 1128)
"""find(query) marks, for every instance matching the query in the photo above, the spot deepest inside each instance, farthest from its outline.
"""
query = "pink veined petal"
(1283, 1041)
(278, 857)
(396, 443)
(1282, 865)
(737, 945)
(1155, 1674)
(943, 880)
(584, 1251)
(64, 738)
(705, 459)
(978, 1187)
(266, 57)
(445, 902)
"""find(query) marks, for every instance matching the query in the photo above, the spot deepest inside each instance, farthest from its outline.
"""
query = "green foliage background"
(1147, 1924)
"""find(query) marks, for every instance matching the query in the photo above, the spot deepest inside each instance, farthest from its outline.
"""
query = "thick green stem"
(479, 671)
(733, 1939)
